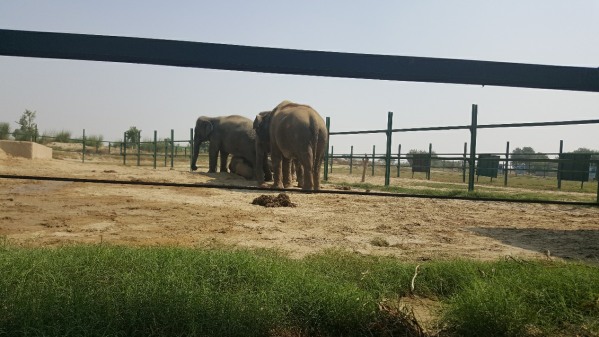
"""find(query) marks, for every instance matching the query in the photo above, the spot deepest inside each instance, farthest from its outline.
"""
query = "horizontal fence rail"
(294, 62)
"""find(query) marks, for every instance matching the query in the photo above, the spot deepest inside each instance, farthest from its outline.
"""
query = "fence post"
(464, 163)
(172, 148)
(373, 147)
(430, 161)
(388, 152)
(326, 153)
(125, 148)
(472, 160)
(351, 159)
(505, 168)
(138, 146)
(559, 165)
(398, 159)
(190, 149)
(165, 151)
(332, 156)
(83, 157)
(155, 147)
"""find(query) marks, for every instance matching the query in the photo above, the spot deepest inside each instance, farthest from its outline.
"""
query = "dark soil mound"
(281, 200)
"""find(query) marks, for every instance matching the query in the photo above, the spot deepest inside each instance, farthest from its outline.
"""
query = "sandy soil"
(49, 213)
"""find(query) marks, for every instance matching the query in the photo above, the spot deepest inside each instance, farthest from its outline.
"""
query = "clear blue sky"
(107, 98)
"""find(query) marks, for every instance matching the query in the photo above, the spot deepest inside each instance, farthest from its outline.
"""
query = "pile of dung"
(281, 200)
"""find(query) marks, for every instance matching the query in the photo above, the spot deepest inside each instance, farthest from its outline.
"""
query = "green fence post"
(138, 146)
(430, 161)
(398, 159)
(109, 144)
(505, 168)
(125, 148)
(190, 149)
(332, 156)
(388, 150)
(464, 162)
(155, 147)
(351, 159)
(373, 147)
(326, 154)
(172, 148)
(83, 157)
(165, 151)
(559, 165)
(472, 160)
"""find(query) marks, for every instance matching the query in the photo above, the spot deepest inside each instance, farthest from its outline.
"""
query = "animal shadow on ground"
(581, 244)
(222, 178)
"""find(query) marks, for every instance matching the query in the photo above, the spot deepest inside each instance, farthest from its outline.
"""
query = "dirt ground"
(51, 213)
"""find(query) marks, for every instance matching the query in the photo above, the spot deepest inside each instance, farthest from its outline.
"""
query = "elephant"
(241, 167)
(228, 135)
(292, 132)
(263, 146)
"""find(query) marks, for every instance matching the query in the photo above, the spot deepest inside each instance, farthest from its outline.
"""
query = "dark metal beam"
(297, 62)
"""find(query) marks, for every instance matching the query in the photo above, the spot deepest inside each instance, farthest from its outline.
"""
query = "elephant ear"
(262, 125)
(204, 128)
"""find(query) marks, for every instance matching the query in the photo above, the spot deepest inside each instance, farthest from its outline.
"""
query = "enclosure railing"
(169, 148)
(469, 157)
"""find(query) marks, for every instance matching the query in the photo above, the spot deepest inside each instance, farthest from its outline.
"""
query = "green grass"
(118, 291)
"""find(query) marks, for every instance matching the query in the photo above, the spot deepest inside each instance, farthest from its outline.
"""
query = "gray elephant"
(227, 135)
(294, 132)
(241, 167)
(263, 146)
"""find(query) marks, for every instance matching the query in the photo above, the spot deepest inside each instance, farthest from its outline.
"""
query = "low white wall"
(28, 150)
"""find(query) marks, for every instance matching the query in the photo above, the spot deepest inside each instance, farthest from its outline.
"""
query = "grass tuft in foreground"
(119, 291)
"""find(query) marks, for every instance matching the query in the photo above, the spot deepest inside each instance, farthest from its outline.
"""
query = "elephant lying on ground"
(241, 167)
(228, 135)
(294, 132)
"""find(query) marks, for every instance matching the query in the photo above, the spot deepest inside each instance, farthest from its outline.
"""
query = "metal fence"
(469, 158)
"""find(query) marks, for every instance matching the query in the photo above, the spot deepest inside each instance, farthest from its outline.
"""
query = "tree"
(4, 130)
(132, 135)
(412, 152)
(523, 158)
(27, 128)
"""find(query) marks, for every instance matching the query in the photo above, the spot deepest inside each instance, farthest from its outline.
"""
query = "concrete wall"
(25, 149)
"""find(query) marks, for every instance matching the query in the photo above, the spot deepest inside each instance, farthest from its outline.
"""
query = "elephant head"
(202, 132)
(262, 126)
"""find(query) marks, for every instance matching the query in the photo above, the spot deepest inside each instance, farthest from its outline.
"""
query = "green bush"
(4, 130)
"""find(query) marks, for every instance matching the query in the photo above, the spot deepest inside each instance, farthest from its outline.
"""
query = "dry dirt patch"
(42, 213)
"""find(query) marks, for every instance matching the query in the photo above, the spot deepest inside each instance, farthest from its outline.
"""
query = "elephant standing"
(227, 135)
(294, 132)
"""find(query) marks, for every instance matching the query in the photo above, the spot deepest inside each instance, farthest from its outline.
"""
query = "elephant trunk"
(196, 150)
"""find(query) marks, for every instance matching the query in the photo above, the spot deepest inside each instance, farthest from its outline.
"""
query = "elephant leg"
(266, 166)
(212, 157)
(224, 156)
(277, 159)
(307, 171)
(299, 176)
(286, 172)
(319, 158)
